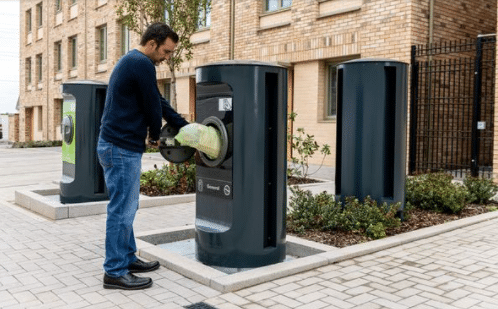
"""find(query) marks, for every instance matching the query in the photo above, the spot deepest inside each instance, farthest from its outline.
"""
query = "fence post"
(413, 112)
(476, 113)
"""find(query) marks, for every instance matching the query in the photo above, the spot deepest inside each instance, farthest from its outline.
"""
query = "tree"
(181, 15)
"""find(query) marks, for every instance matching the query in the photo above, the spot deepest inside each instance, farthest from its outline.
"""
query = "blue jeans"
(122, 177)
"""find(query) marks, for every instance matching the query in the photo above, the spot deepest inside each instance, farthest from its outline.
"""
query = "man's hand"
(153, 143)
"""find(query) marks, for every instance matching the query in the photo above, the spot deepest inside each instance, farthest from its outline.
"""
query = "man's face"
(162, 52)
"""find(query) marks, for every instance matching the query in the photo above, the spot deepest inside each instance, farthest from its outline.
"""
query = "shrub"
(149, 149)
(367, 216)
(171, 178)
(480, 190)
(306, 210)
(322, 211)
(436, 192)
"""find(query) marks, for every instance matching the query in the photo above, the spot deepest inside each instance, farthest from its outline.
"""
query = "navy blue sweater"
(134, 105)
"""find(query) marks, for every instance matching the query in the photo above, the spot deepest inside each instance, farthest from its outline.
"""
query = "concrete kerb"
(41, 201)
(401, 239)
(314, 255)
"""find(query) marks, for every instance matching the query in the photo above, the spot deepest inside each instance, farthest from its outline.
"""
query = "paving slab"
(58, 264)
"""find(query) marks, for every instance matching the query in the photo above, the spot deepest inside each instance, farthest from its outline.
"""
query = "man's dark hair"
(158, 32)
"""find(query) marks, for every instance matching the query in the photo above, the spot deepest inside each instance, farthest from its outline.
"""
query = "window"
(167, 10)
(28, 21)
(73, 45)
(39, 13)
(273, 5)
(58, 56)
(125, 39)
(58, 6)
(102, 43)
(167, 91)
(205, 15)
(28, 71)
(74, 1)
(40, 118)
(331, 103)
(39, 68)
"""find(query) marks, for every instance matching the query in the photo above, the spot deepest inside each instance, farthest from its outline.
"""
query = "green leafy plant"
(322, 211)
(437, 192)
(480, 190)
(368, 217)
(304, 146)
(171, 178)
(376, 231)
(306, 210)
(151, 150)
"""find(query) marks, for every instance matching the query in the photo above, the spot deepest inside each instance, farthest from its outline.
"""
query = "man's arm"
(171, 116)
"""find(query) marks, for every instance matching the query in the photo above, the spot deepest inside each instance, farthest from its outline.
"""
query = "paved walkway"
(47, 264)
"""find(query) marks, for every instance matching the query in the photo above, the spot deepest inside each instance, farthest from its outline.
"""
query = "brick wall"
(308, 35)
(60, 27)
(14, 127)
(311, 34)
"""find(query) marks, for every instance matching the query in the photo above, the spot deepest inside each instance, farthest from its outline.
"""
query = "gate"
(452, 107)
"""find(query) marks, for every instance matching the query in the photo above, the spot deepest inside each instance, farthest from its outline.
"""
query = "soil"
(413, 219)
(291, 180)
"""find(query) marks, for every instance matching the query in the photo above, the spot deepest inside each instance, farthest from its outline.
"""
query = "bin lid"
(170, 148)
(242, 63)
(85, 82)
(363, 60)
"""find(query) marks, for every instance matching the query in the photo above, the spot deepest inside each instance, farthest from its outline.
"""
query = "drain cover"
(199, 306)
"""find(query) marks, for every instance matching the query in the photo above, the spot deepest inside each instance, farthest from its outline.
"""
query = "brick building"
(82, 39)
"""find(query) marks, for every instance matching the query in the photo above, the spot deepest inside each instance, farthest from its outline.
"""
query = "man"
(133, 109)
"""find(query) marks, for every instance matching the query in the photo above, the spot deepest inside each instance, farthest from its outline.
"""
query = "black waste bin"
(241, 194)
(82, 176)
(371, 129)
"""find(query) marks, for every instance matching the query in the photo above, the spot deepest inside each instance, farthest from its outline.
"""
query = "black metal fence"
(452, 107)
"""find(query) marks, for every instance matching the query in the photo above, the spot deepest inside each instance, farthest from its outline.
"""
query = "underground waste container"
(241, 194)
(82, 108)
(371, 130)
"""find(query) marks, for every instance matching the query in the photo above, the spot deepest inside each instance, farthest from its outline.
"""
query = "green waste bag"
(206, 139)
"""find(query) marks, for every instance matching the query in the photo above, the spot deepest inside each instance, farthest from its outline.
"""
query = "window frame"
(167, 90)
(330, 105)
(39, 15)
(204, 21)
(102, 31)
(327, 108)
(125, 39)
(29, 21)
(58, 58)
(280, 6)
(73, 44)
(28, 68)
(39, 68)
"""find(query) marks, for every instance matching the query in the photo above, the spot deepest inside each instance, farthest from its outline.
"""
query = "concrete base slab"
(46, 202)
(300, 251)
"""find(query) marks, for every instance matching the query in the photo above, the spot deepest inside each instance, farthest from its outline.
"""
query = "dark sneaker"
(127, 282)
(140, 266)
